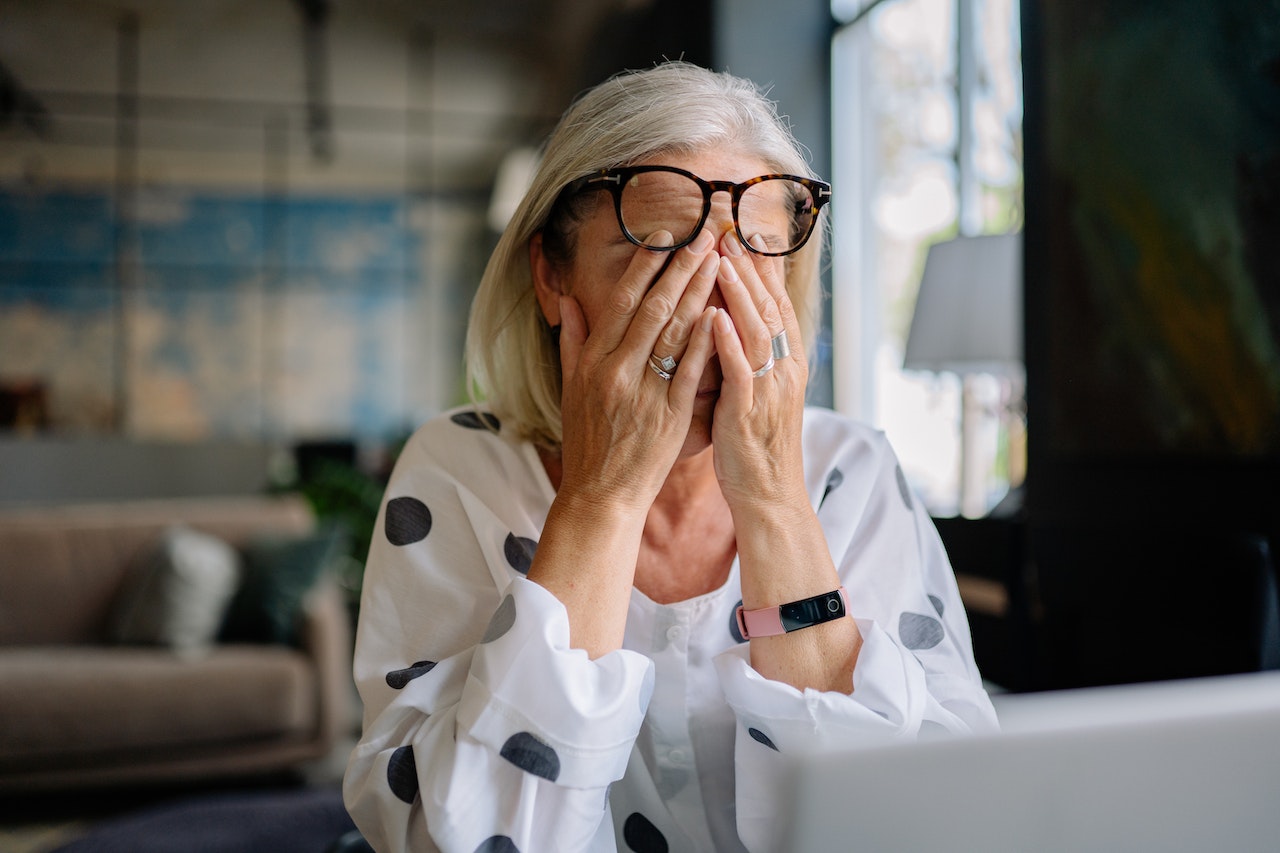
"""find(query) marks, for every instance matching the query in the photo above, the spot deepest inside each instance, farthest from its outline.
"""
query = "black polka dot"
(498, 844)
(937, 604)
(476, 420)
(734, 630)
(918, 631)
(400, 677)
(402, 774)
(761, 737)
(642, 836)
(519, 551)
(532, 756)
(834, 479)
(904, 488)
(407, 521)
(503, 618)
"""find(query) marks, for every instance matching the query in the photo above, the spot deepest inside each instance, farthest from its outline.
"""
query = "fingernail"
(708, 319)
(660, 238)
(709, 265)
(727, 271)
(758, 243)
(731, 244)
(702, 243)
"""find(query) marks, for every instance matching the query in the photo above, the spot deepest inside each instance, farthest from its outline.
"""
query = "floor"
(46, 822)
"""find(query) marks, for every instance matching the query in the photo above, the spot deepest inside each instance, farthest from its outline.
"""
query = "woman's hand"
(782, 550)
(757, 431)
(623, 424)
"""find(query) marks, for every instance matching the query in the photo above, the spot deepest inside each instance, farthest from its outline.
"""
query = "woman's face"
(602, 253)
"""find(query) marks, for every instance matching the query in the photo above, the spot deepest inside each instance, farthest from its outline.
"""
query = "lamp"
(968, 321)
(515, 173)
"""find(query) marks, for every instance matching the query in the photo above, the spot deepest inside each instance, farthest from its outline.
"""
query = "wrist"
(781, 515)
(793, 615)
(597, 508)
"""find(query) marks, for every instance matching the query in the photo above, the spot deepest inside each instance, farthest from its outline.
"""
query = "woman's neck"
(688, 544)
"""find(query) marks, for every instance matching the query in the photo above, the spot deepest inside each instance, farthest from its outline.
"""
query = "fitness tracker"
(785, 618)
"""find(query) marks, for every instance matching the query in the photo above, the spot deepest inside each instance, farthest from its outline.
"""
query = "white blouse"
(485, 731)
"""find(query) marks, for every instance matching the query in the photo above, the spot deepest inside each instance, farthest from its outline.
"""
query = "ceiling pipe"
(315, 16)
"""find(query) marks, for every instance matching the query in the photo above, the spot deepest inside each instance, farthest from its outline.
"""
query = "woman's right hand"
(623, 424)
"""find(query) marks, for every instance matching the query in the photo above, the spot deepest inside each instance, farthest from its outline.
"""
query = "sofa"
(160, 642)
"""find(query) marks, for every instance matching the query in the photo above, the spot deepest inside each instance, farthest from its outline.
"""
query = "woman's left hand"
(756, 439)
(757, 428)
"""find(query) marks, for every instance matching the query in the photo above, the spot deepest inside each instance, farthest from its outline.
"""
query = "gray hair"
(512, 360)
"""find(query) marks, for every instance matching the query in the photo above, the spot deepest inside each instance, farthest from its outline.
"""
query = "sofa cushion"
(179, 593)
(61, 703)
(79, 555)
(279, 571)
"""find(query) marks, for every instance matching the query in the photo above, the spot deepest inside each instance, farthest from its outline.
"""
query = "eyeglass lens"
(780, 210)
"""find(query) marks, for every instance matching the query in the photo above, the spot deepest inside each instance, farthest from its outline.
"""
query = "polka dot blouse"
(485, 731)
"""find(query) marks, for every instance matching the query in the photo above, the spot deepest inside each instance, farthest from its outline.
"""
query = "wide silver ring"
(781, 346)
(768, 365)
(664, 367)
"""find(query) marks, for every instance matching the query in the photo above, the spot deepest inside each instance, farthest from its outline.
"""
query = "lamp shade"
(515, 173)
(968, 315)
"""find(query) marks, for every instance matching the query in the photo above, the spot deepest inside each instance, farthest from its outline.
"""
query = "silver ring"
(781, 347)
(655, 364)
(768, 365)
(667, 364)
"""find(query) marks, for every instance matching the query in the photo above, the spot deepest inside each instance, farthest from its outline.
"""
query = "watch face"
(811, 611)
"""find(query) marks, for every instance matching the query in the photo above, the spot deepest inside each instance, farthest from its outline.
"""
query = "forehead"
(712, 164)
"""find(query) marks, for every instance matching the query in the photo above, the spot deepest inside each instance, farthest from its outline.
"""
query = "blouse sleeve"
(481, 725)
(915, 675)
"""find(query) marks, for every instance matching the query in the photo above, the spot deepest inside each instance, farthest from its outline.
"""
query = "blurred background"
(253, 226)
(263, 222)
(238, 242)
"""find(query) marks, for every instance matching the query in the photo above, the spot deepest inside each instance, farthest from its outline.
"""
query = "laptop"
(1190, 765)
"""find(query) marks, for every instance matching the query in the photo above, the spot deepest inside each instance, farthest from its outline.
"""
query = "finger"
(772, 270)
(772, 275)
(660, 303)
(628, 294)
(755, 313)
(573, 334)
(701, 346)
(736, 385)
(674, 337)
(759, 274)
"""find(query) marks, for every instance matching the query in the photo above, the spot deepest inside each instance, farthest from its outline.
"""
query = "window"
(927, 117)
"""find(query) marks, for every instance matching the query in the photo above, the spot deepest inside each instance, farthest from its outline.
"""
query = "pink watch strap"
(768, 621)
(760, 623)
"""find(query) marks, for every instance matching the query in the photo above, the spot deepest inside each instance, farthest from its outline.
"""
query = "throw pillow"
(179, 594)
(279, 572)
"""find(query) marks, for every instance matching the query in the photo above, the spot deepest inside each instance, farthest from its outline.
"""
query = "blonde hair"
(512, 361)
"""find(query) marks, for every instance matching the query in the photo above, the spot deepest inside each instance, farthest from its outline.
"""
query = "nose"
(720, 217)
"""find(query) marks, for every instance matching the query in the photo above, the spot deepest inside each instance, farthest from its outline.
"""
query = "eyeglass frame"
(614, 180)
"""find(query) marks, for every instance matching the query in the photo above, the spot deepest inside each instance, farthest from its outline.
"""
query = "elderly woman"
(605, 607)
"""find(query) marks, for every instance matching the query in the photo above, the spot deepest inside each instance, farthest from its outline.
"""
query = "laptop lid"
(1174, 766)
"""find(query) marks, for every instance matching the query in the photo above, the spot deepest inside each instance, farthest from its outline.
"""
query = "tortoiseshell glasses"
(781, 210)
